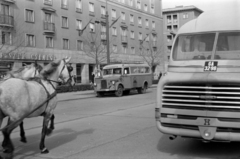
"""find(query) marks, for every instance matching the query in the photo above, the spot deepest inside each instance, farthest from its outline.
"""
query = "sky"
(205, 5)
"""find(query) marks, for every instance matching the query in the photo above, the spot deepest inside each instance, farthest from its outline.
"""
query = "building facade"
(174, 18)
(44, 30)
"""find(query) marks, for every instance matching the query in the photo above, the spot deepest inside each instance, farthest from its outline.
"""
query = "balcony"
(124, 39)
(6, 20)
(49, 27)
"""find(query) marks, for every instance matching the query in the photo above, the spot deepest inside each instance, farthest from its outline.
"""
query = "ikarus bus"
(199, 96)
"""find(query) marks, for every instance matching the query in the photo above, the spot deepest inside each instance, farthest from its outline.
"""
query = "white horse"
(21, 98)
(26, 72)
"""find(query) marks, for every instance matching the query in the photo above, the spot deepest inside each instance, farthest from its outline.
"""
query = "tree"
(151, 52)
(95, 44)
(11, 35)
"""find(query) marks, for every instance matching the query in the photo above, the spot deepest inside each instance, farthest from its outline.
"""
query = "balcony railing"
(6, 20)
(48, 2)
(124, 39)
(49, 27)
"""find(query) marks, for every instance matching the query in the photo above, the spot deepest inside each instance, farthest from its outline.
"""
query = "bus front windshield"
(114, 71)
(200, 46)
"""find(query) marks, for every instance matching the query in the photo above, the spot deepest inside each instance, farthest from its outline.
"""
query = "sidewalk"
(81, 95)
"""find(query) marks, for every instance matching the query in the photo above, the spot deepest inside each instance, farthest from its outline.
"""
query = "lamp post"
(107, 34)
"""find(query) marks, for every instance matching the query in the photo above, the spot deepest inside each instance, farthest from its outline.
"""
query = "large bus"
(199, 96)
(121, 78)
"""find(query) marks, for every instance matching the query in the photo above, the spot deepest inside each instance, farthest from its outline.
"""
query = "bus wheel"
(119, 91)
(100, 94)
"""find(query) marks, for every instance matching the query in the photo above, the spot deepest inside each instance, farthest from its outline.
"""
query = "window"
(123, 16)
(145, 8)
(115, 48)
(124, 49)
(175, 18)
(152, 9)
(79, 5)
(79, 45)
(131, 2)
(91, 7)
(5, 9)
(132, 34)
(147, 23)
(79, 24)
(124, 32)
(64, 22)
(64, 4)
(131, 19)
(147, 38)
(49, 42)
(30, 40)
(48, 2)
(103, 11)
(66, 44)
(132, 50)
(169, 19)
(185, 15)
(139, 21)
(114, 14)
(29, 15)
(114, 31)
(140, 36)
(138, 4)
(169, 38)
(153, 24)
(92, 27)
(6, 38)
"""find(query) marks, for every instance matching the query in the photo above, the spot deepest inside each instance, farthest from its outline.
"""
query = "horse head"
(58, 70)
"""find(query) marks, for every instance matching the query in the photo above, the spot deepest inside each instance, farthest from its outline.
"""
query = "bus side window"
(126, 71)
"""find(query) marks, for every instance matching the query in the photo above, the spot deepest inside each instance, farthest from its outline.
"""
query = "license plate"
(210, 66)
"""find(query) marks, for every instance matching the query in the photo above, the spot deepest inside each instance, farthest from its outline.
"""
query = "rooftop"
(181, 8)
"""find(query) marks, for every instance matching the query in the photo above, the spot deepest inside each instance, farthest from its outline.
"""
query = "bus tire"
(100, 94)
(119, 91)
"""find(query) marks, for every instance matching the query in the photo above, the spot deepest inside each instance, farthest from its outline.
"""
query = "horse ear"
(67, 59)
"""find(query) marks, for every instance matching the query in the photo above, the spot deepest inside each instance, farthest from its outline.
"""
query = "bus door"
(126, 78)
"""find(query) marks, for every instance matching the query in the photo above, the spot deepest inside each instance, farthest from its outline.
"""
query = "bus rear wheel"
(119, 91)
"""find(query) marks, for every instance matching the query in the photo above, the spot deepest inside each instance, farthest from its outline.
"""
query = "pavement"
(81, 95)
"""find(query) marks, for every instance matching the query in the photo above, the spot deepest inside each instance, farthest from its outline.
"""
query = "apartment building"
(174, 18)
(43, 30)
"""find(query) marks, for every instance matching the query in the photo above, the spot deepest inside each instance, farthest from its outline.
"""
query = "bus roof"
(124, 65)
(215, 20)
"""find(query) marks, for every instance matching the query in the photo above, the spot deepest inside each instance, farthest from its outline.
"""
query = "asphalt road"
(110, 127)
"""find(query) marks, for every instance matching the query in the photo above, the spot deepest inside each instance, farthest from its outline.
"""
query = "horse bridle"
(69, 68)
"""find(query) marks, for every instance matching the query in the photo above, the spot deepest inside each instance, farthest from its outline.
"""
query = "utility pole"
(107, 34)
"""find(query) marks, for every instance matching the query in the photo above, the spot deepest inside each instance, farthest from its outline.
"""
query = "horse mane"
(50, 68)
(16, 71)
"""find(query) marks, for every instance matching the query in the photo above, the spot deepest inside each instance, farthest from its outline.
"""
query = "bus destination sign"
(210, 66)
